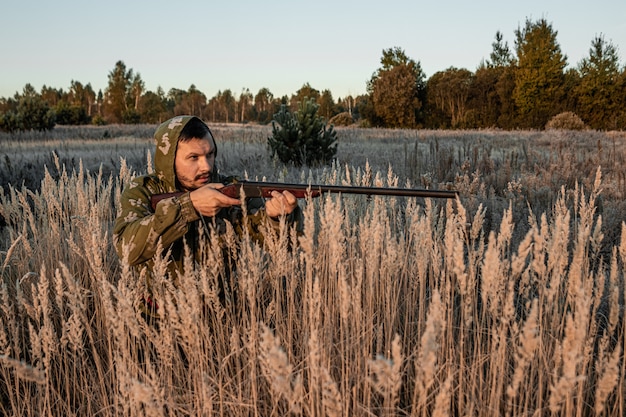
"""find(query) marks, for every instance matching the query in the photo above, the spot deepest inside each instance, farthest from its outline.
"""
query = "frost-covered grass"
(508, 301)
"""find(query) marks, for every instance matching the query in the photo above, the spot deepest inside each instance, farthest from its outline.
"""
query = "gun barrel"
(264, 189)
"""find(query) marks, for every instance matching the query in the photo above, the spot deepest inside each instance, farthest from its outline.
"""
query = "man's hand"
(208, 200)
(280, 204)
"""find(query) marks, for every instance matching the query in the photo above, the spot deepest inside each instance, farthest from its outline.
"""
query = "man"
(185, 161)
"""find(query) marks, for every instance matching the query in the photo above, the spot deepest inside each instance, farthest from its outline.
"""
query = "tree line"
(523, 88)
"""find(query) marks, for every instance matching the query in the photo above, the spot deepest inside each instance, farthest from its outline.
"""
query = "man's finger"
(291, 199)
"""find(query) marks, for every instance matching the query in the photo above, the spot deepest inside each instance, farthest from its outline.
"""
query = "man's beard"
(195, 183)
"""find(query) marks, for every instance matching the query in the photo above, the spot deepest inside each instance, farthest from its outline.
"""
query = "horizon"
(280, 46)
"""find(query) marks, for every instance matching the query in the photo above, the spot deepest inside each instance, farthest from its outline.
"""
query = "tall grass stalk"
(384, 306)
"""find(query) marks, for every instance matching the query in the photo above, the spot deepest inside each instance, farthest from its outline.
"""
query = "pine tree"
(539, 76)
(302, 137)
(500, 54)
(598, 89)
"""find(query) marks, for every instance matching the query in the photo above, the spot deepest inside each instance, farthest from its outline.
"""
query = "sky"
(280, 45)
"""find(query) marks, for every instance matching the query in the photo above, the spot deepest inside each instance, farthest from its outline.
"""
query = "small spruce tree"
(302, 137)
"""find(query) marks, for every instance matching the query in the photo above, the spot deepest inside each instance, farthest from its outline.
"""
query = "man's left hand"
(280, 204)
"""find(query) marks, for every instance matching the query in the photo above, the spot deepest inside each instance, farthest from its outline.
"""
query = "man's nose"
(205, 164)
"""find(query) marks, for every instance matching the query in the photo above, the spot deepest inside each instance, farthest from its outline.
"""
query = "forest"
(527, 86)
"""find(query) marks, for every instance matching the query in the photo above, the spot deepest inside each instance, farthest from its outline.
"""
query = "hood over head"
(166, 137)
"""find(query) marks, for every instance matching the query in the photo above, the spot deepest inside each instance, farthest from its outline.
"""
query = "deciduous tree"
(137, 87)
(305, 92)
(153, 107)
(505, 86)
(449, 92)
(51, 95)
(327, 104)
(75, 107)
(192, 101)
(262, 105)
(245, 105)
(397, 90)
(489, 103)
(484, 102)
(222, 107)
(116, 96)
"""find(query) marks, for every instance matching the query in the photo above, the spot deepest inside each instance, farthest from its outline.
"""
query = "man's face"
(194, 162)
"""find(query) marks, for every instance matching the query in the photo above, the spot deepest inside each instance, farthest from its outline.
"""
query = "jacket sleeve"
(139, 227)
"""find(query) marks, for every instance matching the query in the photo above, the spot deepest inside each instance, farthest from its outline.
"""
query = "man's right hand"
(208, 200)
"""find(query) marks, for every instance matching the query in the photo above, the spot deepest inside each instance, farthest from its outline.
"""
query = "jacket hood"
(166, 137)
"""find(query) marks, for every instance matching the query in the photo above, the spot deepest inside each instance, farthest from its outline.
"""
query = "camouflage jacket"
(174, 222)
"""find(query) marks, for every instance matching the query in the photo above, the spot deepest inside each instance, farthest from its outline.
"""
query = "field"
(508, 301)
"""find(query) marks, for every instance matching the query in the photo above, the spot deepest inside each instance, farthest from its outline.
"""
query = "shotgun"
(264, 189)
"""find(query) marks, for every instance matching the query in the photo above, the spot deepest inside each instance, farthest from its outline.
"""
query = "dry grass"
(387, 307)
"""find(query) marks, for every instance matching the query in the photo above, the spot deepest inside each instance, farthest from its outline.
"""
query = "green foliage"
(305, 92)
(9, 121)
(599, 85)
(500, 54)
(131, 116)
(263, 105)
(119, 94)
(517, 88)
(71, 114)
(152, 108)
(566, 121)
(327, 108)
(222, 107)
(191, 102)
(484, 101)
(28, 112)
(539, 76)
(504, 89)
(397, 91)
(448, 92)
(35, 114)
(302, 137)
(393, 57)
(98, 120)
(396, 97)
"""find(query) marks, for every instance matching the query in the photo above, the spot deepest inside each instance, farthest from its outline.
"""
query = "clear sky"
(277, 44)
